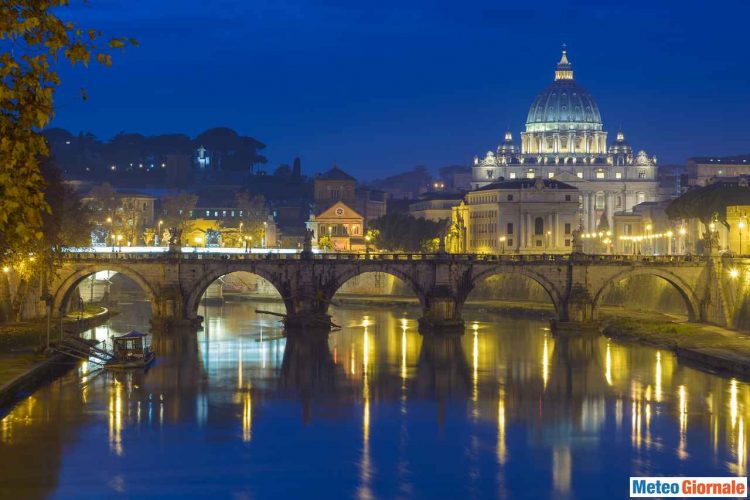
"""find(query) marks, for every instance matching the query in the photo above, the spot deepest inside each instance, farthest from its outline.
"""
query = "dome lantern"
(564, 68)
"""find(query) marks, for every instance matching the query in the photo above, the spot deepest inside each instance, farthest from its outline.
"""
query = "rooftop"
(527, 184)
(336, 174)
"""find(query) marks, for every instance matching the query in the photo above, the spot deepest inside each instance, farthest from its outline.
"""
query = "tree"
(34, 39)
(708, 202)
(405, 233)
(176, 210)
(254, 213)
(230, 151)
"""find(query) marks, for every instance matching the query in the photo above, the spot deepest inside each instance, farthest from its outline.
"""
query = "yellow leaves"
(104, 59)
(117, 43)
(27, 85)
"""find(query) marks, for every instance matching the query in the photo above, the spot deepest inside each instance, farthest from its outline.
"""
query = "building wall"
(515, 221)
(330, 191)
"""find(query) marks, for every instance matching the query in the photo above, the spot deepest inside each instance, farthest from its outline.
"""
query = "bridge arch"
(61, 295)
(692, 303)
(551, 290)
(341, 278)
(192, 302)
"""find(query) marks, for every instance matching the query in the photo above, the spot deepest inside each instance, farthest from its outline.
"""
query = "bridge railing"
(578, 258)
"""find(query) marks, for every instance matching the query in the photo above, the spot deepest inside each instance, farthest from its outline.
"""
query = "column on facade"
(592, 211)
(529, 231)
(584, 211)
(549, 226)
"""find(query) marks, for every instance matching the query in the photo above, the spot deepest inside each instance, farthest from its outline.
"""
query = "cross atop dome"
(564, 68)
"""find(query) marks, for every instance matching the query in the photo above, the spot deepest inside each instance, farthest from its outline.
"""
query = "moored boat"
(130, 351)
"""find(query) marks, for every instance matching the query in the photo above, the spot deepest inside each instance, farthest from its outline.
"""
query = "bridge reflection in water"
(375, 409)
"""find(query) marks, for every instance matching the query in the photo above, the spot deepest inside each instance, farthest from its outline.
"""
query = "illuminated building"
(519, 216)
(565, 140)
(704, 170)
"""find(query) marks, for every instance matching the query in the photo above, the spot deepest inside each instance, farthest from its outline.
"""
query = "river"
(374, 411)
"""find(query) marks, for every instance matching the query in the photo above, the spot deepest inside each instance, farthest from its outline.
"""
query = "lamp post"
(158, 239)
(547, 236)
(501, 239)
(198, 240)
(367, 244)
(119, 241)
(265, 230)
(112, 236)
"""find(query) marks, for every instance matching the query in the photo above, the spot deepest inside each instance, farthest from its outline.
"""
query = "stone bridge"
(576, 284)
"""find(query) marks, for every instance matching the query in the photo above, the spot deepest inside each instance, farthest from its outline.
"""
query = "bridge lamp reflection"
(6, 269)
(734, 273)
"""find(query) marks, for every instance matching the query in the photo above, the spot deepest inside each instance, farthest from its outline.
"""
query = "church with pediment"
(340, 225)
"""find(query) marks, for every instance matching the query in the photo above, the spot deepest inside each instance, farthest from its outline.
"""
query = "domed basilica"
(565, 140)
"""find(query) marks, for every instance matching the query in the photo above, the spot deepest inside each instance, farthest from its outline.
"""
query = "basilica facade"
(565, 140)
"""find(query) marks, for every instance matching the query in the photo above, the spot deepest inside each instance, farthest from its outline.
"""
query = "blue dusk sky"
(379, 87)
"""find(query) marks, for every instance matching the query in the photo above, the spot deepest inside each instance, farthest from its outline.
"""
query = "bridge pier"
(576, 315)
(441, 312)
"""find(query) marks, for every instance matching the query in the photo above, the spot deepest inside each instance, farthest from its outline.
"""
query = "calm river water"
(375, 411)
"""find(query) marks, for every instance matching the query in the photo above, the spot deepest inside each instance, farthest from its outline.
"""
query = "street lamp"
(367, 244)
(158, 235)
(265, 230)
(198, 240)
(119, 241)
(501, 239)
(547, 238)
(109, 221)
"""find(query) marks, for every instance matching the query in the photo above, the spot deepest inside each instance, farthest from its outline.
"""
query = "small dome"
(507, 146)
(564, 104)
(620, 146)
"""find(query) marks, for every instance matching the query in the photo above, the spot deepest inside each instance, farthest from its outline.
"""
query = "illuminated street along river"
(506, 410)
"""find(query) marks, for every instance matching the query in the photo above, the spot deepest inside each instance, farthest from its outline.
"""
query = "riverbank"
(22, 367)
(707, 347)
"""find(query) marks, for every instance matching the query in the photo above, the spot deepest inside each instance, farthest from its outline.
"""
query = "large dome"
(564, 105)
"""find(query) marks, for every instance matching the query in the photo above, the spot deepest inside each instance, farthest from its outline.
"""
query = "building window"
(640, 197)
(641, 174)
(490, 173)
(512, 175)
(567, 243)
(529, 175)
(538, 243)
(208, 213)
(538, 226)
(599, 201)
(600, 175)
(618, 175)
(567, 228)
(567, 197)
(510, 228)
(579, 175)
(510, 197)
(550, 175)
(627, 229)
(618, 202)
(510, 243)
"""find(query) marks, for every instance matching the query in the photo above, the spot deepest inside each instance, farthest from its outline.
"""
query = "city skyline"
(404, 93)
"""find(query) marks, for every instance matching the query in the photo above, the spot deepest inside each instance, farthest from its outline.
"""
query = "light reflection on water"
(374, 410)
